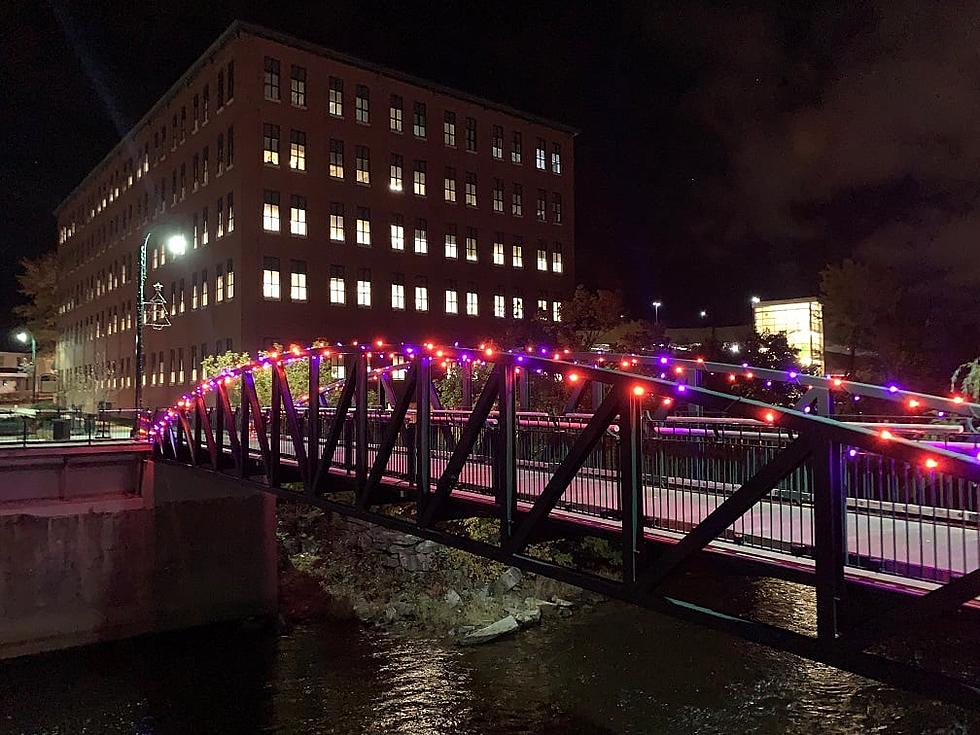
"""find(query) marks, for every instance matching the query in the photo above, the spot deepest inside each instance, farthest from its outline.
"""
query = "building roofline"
(781, 302)
(239, 27)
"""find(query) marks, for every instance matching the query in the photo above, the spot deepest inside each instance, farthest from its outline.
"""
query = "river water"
(612, 669)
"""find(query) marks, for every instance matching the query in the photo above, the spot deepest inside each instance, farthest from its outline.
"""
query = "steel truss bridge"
(674, 474)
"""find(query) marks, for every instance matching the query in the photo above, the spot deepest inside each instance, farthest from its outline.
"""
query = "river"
(612, 669)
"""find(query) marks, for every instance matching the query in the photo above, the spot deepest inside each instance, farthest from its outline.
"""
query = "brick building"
(321, 196)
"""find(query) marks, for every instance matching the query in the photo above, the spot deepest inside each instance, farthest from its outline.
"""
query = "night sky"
(726, 149)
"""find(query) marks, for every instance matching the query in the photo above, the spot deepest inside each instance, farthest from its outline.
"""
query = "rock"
(453, 599)
(426, 547)
(547, 609)
(492, 632)
(527, 618)
(509, 579)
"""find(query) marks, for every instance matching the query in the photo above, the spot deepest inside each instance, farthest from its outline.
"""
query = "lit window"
(542, 259)
(471, 254)
(541, 209)
(397, 234)
(398, 296)
(362, 163)
(338, 288)
(395, 176)
(271, 79)
(449, 185)
(395, 114)
(297, 215)
(499, 306)
(555, 158)
(518, 307)
(498, 251)
(364, 287)
(517, 201)
(421, 298)
(204, 289)
(297, 150)
(204, 228)
(451, 251)
(229, 282)
(297, 281)
(497, 142)
(336, 159)
(515, 149)
(336, 102)
(472, 304)
(449, 129)
(556, 208)
(418, 120)
(297, 86)
(219, 228)
(452, 301)
(517, 255)
(418, 179)
(337, 222)
(540, 155)
(543, 307)
(498, 195)
(270, 280)
(361, 105)
(363, 226)
(270, 212)
(219, 285)
(556, 311)
(470, 190)
(557, 262)
(421, 237)
(270, 144)
(230, 225)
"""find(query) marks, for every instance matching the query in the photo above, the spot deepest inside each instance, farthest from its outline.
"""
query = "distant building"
(321, 196)
(801, 320)
(14, 379)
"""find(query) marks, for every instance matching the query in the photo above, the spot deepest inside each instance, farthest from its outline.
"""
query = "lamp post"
(703, 314)
(656, 311)
(176, 243)
(23, 336)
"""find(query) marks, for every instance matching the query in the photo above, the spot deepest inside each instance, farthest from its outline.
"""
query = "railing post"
(197, 432)
(631, 482)
(524, 389)
(466, 370)
(505, 457)
(830, 542)
(243, 428)
(423, 415)
(275, 429)
(313, 421)
(361, 424)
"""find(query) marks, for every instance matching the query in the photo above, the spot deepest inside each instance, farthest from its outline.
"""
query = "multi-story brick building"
(321, 196)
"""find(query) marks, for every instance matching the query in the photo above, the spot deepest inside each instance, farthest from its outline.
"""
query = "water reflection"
(613, 670)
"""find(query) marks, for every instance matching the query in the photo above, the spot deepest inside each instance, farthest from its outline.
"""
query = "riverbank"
(338, 568)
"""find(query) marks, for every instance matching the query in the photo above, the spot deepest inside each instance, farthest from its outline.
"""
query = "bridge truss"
(674, 474)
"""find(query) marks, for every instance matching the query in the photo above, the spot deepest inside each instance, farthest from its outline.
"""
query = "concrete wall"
(183, 548)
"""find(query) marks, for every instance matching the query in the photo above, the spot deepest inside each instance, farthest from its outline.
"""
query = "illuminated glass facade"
(801, 320)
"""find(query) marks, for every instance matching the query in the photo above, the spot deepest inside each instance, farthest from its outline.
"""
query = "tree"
(848, 291)
(297, 374)
(587, 316)
(634, 336)
(966, 379)
(39, 283)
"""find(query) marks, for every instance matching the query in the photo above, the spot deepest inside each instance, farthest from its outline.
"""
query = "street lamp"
(755, 300)
(656, 311)
(23, 336)
(176, 243)
(703, 314)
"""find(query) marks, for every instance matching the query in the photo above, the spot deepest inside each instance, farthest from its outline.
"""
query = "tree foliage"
(966, 379)
(587, 316)
(38, 281)
(297, 374)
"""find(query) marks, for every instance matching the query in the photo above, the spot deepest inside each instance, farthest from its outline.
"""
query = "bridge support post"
(631, 483)
(275, 428)
(313, 422)
(423, 414)
(244, 432)
(830, 537)
(361, 426)
(219, 424)
(505, 459)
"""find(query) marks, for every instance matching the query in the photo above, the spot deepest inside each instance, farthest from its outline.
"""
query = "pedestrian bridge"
(881, 518)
